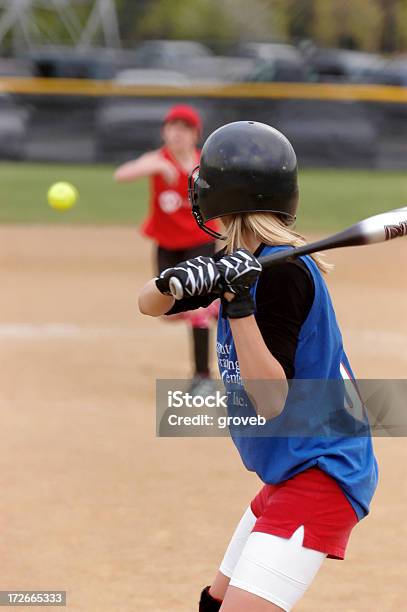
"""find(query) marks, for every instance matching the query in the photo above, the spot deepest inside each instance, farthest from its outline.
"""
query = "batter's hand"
(197, 276)
(239, 270)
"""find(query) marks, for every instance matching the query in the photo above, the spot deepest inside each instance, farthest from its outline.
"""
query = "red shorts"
(313, 499)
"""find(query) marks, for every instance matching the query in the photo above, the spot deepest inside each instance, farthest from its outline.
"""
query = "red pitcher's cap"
(183, 112)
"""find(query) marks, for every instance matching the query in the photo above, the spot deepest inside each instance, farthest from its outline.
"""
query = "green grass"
(330, 199)
(23, 195)
(334, 199)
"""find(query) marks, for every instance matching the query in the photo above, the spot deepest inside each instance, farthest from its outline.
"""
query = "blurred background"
(93, 502)
(122, 63)
(88, 82)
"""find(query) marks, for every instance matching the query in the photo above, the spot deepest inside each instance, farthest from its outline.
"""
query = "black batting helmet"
(245, 166)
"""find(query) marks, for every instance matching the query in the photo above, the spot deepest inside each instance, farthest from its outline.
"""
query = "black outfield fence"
(67, 120)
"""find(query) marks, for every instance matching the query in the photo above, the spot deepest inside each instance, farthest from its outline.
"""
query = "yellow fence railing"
(313, 91)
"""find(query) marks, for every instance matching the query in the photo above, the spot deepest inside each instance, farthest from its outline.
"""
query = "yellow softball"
(62, 196)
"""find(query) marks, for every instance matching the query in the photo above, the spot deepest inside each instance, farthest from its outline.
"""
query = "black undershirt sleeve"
(284, 296)
(191, 303)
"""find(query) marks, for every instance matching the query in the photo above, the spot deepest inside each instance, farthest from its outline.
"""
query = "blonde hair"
(265, 227)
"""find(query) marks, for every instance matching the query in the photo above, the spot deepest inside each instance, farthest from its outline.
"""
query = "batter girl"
(169, 223)
(276, 324)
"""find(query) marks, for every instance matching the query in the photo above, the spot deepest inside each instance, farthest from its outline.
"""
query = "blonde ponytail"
(264, 227)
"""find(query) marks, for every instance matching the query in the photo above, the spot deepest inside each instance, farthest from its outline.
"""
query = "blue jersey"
(319, 356)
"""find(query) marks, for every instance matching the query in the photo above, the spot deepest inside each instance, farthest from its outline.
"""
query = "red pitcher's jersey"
(170, 222)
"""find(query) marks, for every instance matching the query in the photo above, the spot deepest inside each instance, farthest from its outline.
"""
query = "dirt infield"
(91, 501)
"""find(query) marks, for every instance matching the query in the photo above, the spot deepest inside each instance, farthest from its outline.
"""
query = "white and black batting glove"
(238, 272)
(198, 276)
(239, 269)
